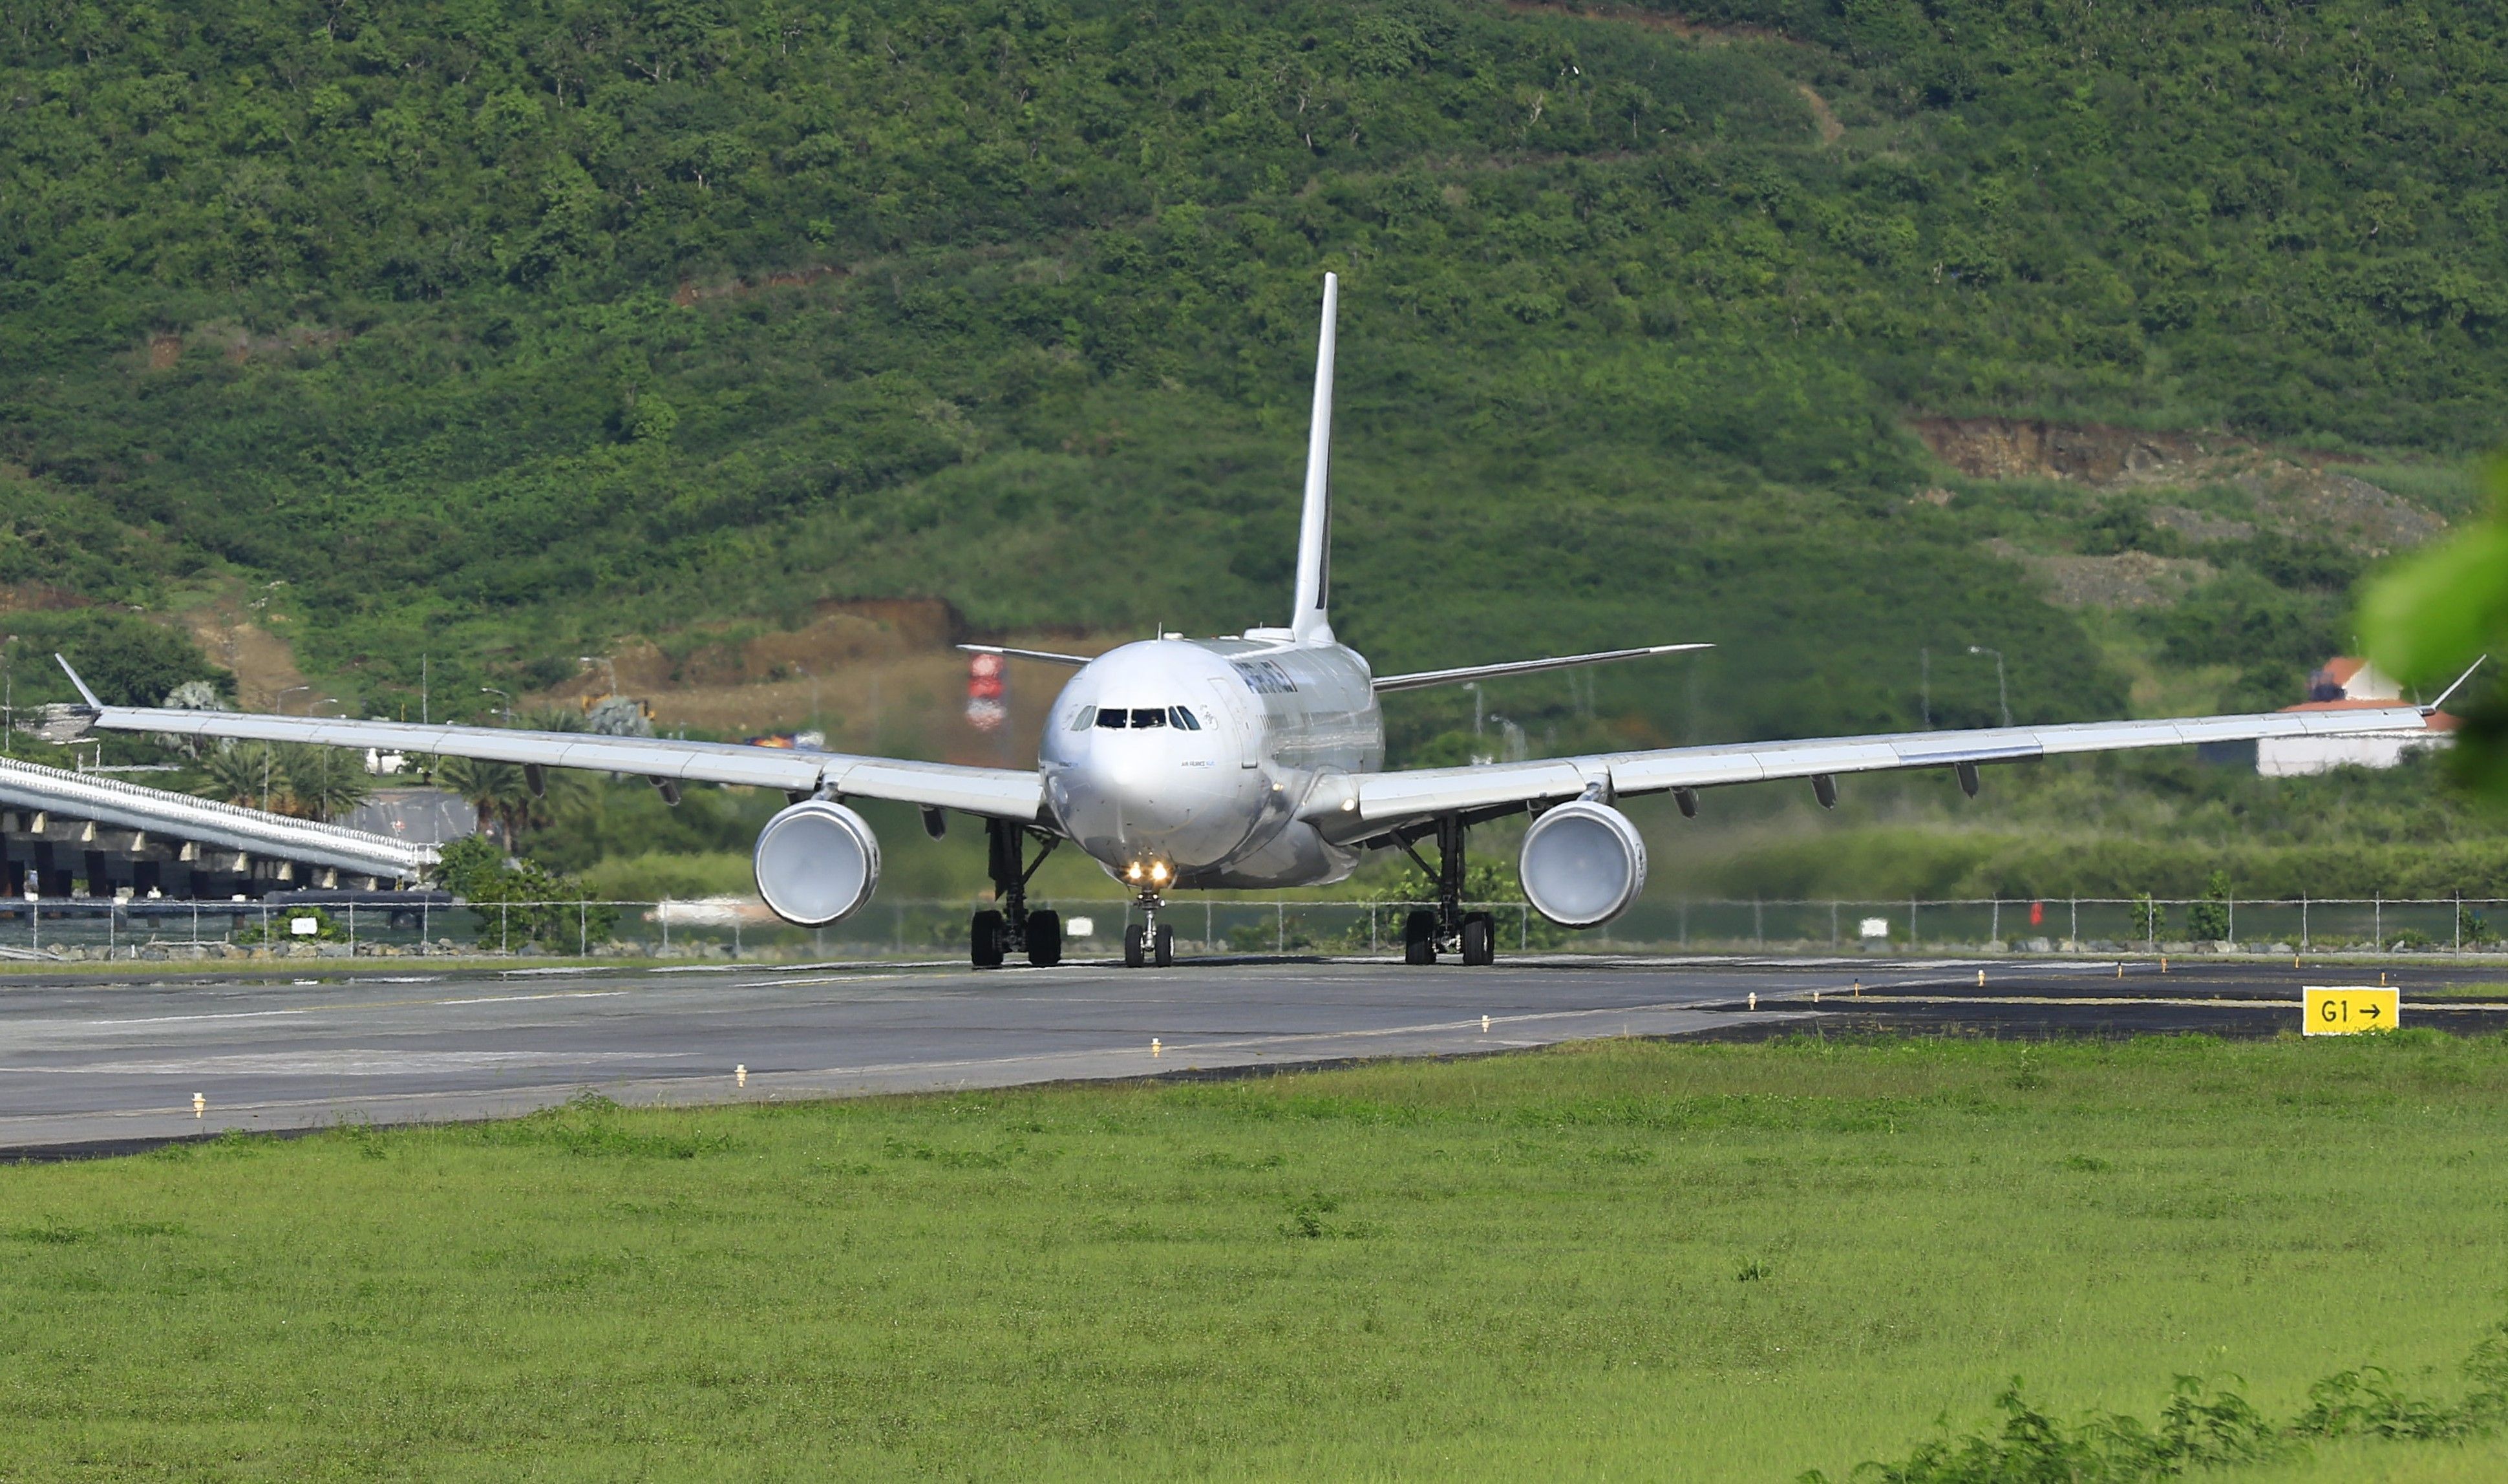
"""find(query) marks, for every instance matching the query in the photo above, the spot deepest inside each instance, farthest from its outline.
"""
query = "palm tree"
(499, 791)
(248, 773)
(325, 782)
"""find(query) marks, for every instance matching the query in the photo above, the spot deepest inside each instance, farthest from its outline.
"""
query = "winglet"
(89, 695)
(2443, 695)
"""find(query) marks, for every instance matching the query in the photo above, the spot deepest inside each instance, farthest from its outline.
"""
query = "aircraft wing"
(1000, 792)
(1392, 799)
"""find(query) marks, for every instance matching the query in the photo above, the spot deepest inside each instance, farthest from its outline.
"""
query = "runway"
(100, 1063)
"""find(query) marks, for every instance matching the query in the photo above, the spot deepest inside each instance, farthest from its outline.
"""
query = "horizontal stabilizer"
(1425, 677)
(1048, 655)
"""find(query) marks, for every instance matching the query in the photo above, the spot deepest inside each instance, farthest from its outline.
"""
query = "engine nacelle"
(1583, 863)
(816, 862)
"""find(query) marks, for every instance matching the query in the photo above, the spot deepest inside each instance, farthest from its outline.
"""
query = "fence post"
(1372, 945)
(353, 930)
(2378, 919)
(505, 934)
(1832, 924)
(2459, 923)
(2230, 924)
(2302, 922)
(1684, 924)
(1759, 930)
(583, 929)
(1911, 922)
(1522, 926)
(2075, 936)
(1280, 927)
(1993, 921)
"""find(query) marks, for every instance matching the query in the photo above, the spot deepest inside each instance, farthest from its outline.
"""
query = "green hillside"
(493, 332)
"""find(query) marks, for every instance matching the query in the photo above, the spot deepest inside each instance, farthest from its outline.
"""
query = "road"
(96, 1064)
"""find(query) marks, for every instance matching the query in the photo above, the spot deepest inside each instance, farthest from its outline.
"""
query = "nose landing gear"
(1149, 941)
(995, 934)
(1473, 936)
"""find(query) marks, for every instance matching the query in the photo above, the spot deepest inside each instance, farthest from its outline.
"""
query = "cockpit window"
(1117, 717)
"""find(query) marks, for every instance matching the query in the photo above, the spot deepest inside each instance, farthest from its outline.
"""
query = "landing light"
(1134, 873)
(1159, 872)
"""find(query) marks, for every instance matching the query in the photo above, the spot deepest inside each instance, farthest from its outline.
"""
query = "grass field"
(1622, 1259)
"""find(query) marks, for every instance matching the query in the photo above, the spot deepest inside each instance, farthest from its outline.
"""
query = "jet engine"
(1583, 863)
(816, 862)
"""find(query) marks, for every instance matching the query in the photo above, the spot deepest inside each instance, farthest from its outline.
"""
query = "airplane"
(1256, 761)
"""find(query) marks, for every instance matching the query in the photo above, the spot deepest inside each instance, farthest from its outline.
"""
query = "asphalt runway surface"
(98, 1063)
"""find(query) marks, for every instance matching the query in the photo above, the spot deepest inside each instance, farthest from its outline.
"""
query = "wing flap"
(1005, 793)
(1385, 797)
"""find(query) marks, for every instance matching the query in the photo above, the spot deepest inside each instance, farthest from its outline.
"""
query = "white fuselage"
(1222, 741)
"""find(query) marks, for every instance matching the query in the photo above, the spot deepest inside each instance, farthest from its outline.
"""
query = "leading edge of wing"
(1000, 792)
(1425, 677)
(1431, 791)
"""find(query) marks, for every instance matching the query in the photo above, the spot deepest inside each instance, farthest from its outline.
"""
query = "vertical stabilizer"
(1307, 623)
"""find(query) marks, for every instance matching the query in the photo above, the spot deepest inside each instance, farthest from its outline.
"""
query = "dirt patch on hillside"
(2127, 579)
(875, 675)
(263, 666)
(38, 598)
(2290, 491)
(689, 293)
(1830, 131)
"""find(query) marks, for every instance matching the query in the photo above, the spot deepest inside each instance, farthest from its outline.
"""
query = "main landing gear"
(1449, 928)
(1149, 941)
(997, 933)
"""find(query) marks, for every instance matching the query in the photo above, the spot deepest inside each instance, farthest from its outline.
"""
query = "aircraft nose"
(1134, 798)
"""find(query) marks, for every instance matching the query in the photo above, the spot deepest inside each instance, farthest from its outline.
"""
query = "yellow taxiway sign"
(2348, 1010)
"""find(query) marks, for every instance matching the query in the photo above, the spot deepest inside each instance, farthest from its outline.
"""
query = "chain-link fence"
(86, 928)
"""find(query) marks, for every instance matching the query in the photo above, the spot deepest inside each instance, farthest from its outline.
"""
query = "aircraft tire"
(984, 940)
(1419, 938)
(1045, 939)
(1162, 947)
(1133, 958)
(1480, 939)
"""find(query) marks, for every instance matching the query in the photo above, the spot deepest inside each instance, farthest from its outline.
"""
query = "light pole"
(9, 692)
(509, 701)
(2002, 696)
(608, 667)
(280, 705)
(1474, 686)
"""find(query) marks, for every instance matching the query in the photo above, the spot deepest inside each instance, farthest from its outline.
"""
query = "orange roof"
(2339, 670)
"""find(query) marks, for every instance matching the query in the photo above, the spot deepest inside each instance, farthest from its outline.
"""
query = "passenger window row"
(1139, 718)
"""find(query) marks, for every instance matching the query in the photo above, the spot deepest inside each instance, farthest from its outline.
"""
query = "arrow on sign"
(2371, 1011)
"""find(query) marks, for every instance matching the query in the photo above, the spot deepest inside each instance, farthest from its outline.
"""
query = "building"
(2345, 684)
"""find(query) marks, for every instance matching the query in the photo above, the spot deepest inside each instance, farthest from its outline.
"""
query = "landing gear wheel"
(1163, 946)
(1419, 938)
(1480, 939)
(1045, 939)
(984, 940)
(1133, 958)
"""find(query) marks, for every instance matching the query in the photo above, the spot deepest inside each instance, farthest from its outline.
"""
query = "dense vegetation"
(1617, 1259)
(493, 331)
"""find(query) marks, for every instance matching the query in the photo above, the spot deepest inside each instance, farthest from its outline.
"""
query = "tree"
(2441, 610)
(324, 781)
